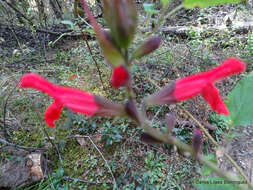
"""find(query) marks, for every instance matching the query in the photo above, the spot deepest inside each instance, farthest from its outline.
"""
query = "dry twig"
(106, 163)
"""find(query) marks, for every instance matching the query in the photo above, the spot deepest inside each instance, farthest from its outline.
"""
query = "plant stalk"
(163, 17)
(213, 141)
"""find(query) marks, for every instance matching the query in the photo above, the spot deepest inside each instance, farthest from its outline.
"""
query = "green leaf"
(233, 135)
(215, 183)
(150, 8)
(68, 22)
(240, 103)
(90, 31)
(205, 170)
(165, 2)
(59, 172)
(189, 4)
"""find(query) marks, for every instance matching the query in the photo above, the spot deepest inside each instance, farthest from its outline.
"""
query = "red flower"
(201, 83)
(74, 99)
(120, 77)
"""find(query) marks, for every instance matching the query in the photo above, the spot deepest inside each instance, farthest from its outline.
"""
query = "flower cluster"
(121, 17)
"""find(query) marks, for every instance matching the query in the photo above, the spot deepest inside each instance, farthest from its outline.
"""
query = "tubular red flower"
(120, 77)
(201, 83)
(190, 86)
(74, 99)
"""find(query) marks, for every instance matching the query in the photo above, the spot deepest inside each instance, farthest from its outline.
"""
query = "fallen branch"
(6, 143)
(238, 27)
(84, 181)
(18, 11)
(106, 163)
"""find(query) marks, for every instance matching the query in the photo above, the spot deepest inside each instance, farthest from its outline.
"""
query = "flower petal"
(228, 67)
(52, 113)
(35, 81)
(189, 87)
(76, 100)
(211, 94)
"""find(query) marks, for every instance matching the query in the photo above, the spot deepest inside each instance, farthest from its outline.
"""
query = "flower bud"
(197, 140)
(132, 112)
(147, 47)
(121, 17)
(145, 137)
(112, 54)
(170, 120)
(107, 107)
(163, 96)
(120, 77)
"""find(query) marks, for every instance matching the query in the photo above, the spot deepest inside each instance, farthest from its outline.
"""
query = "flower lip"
(228, 67)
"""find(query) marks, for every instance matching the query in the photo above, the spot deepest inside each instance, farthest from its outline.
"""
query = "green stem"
(217, 145)
(239, 170)
(213, 141)
(163, 17)
(174, 141)
(200, 125)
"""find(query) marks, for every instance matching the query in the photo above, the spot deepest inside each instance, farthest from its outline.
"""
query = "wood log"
(20, 168)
